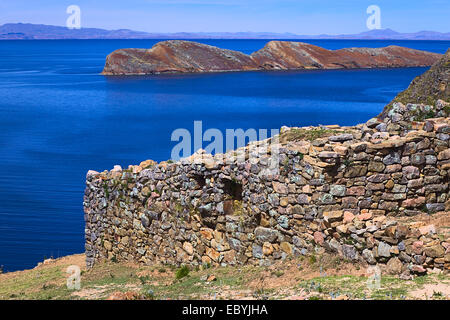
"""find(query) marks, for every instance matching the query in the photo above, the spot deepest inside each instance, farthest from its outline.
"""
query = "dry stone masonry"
(366, 193)
(348, 190)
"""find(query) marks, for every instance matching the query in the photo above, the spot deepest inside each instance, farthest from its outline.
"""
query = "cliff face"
(176, 56)
(428, 87)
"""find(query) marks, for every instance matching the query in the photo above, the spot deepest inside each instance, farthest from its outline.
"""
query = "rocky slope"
(428, 87)
(177, 56)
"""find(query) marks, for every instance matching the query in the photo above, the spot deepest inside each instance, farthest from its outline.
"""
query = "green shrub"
(206, 265)
(278, 273)
(447, 110)
(437, 294)
(144, 279)
(182, 272)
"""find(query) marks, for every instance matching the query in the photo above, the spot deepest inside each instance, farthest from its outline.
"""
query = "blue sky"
(296, 16)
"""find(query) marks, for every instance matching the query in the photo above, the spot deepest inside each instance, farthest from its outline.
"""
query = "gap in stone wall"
(233, 193)
(200, 179)
(233, 189)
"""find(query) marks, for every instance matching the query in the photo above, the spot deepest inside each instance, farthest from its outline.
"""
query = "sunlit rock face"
(177, 56)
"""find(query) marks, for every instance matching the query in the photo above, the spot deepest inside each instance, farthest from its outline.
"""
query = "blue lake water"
(59, 118)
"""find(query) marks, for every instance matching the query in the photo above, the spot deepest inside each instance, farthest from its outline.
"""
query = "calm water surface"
(59, 118)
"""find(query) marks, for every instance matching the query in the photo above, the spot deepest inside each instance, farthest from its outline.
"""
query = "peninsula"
(179, 56)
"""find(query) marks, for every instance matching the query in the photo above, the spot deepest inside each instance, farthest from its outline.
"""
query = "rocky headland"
(376, 193)
(428, 87)
(178, 56)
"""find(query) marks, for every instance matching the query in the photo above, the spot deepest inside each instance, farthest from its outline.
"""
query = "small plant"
(144, 279)
(419, 115)
(114, 259)
(312, 259)
(278, 273)
(237, 208)
(161, 270)
(178, 207)
(336, 262)
(182, 272)
(105, 189)
(447, 110)
(349, 241)
(437, 294)
(206, 265)
(347, 162)
(48, 286)
(262, 293)
(148, 294)
(424, 208)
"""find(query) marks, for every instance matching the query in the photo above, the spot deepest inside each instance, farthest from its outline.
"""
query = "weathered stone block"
(355, 171)
(332, 216)
(384, 250)
(337, 190)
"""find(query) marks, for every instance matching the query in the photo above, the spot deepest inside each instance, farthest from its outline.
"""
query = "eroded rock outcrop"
(177, 56)
(286, 55)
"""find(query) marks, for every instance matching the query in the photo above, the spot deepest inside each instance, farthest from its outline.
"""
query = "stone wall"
(348, 190)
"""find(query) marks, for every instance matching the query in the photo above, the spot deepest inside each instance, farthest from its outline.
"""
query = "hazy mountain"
(41, 31)
(392, 35)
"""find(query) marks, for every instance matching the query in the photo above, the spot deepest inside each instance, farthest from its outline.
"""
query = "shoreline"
(305, 70)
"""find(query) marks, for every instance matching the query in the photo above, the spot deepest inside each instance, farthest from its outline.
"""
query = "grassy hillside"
(428, 87)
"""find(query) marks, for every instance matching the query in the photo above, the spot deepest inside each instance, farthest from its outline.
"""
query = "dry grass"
(322, 276)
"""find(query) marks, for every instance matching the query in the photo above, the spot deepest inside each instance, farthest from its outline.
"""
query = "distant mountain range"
(28, 31)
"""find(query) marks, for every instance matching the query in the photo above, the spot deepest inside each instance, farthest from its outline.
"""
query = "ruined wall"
(348, 190)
